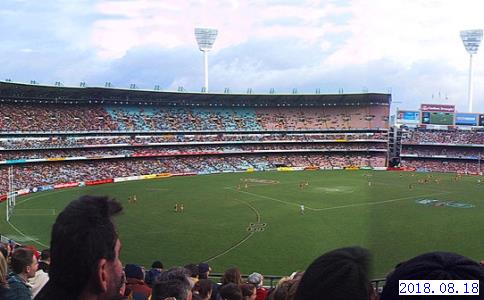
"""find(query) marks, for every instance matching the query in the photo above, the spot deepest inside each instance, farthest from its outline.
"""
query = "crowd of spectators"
(40, 174)
(240, 131)
(444, 165)
(451, 152)
(461, 137)
(20, 143)
(443, 147)
(15, 117)
(45, 118)
(186, 149)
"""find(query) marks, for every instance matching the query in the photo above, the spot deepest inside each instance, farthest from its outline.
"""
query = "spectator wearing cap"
(135, 283)
(204, 270)
(432, 266)
(341, 274)
(154, 273)
(24, 266)
(41, 276)
(258, 281)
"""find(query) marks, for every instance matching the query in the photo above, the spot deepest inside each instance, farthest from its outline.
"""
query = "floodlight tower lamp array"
(205, 39)
(471, 39)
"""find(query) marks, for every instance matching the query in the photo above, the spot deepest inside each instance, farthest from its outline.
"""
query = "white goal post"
(11, 195)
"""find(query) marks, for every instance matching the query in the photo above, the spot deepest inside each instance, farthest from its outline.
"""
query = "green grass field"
(341, 210)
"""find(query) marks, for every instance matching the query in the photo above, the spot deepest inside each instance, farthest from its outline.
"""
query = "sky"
(410, 48)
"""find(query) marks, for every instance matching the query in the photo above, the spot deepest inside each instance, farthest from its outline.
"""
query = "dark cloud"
(150, 66)
(271, 54)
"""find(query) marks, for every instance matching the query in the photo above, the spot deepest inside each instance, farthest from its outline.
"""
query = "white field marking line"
(34, 212)
(39, 195)
(263, 184)
(231, 248)
(244, 239)
(21, 202)
(417, 185)
(349, 205)
(267, 197)
(251, 207)
(316, 183)
(27, 237)
(377, 202)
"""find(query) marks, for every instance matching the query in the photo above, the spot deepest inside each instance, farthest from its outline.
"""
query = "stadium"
(242, 165)
(254, 186)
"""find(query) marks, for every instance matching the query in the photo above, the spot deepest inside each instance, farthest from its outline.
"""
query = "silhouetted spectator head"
(230, 291)
(85, 251)
(203, 270)
(432, 266)
(154, 273)
(173, 283)
(286, 288)
(231, 275)
(134, 271)
(193, 270)
(256, 279)
(204, 288)
(157, 265)
(45, 255)
(249, 291)
(341, 274)
(44, 261)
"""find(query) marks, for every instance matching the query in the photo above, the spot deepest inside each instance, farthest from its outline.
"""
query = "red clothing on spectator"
(139, 289)
(261, 293)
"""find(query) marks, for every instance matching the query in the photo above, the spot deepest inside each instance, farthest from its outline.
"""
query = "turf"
(341, 210)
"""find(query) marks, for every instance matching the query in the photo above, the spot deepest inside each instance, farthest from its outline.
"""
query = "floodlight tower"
(471, 40)
(205, 39)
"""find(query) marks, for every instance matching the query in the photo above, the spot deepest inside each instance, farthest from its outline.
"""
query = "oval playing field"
(253, 220)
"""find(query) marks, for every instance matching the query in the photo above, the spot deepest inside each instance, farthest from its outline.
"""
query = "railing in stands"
(271, 281)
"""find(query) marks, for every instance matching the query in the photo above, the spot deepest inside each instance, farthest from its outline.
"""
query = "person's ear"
(372, 293)
(101, 279)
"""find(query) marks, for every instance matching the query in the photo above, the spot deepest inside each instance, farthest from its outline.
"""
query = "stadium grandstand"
(79, 134)
(438, 139)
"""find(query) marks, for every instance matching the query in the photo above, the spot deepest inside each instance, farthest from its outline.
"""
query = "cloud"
(135, 24)
(409, 46)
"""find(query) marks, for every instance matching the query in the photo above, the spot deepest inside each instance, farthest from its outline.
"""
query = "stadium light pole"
(205, 39)
(471, 40)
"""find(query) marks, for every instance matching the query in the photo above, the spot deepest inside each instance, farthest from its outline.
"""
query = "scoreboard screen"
(408, 117)
(466, 119)
(437, 118)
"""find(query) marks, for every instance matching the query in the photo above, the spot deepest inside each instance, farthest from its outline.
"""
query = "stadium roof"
(18, 92)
